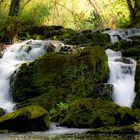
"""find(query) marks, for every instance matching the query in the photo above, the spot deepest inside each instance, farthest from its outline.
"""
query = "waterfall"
(19, 53)
(122, 73)
(122, 34)
(13, 57)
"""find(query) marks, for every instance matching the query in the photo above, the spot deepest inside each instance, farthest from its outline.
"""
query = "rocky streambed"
(69, 84)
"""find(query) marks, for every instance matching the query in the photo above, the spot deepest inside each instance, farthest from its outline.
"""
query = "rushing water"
(122, 73)
(15, 55)
(122, 34)
(122, 70)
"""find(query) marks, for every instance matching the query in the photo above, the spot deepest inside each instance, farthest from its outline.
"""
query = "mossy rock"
(94, 113)
(57, 77)
(47, 32)
(89, 37)
(29, 118)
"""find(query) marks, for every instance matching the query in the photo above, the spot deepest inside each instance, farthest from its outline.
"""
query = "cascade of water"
(17, 54)
(14, 56)
(122, 34)
(122, 73)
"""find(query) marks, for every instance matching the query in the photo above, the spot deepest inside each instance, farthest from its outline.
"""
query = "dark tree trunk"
(131, 9)
(14, 8)
(135, 12)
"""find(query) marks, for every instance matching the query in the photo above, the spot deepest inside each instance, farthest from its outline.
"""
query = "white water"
(122, 34)
(122, 77)
(14, 56)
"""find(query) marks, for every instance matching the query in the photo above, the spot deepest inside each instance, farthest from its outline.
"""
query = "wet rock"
(89, 38)
(104, 91)
(29, 118)
(94, 113)
(47, 32)
(57, 77)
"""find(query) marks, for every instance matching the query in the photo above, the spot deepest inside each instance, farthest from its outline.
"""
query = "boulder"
(89, 37)
(29, 118)
(47, 32)
(58, 77)
(94, 113)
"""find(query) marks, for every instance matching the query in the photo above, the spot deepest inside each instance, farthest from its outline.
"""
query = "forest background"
(74, 14)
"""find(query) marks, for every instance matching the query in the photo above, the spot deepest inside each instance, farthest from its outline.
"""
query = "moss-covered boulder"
(89, 37)
(94, 113)
(57, 77)
(47, 32)
(29, 118)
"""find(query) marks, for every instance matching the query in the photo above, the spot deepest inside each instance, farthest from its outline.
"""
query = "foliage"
(76, 14)
(35, 15)
(9, 29)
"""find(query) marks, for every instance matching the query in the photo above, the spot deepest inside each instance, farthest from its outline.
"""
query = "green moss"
(57, 77)
(88, 37)
(94, 113)
(49, 32)
(28, 118)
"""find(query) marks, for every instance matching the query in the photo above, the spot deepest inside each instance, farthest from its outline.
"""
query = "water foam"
(122, 73)
(13, 57)
(122, 34)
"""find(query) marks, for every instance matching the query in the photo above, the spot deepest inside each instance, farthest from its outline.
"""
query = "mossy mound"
(58, 77)
(29, 118)
(89, 37)
(94, 113)
(69, 36)
(47, 32)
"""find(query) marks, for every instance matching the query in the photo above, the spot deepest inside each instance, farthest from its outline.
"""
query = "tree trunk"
(131, 9)
(14, 8)
(135, 13)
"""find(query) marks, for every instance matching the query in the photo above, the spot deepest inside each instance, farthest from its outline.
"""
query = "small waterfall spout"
(122, 34)
(122, 73)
